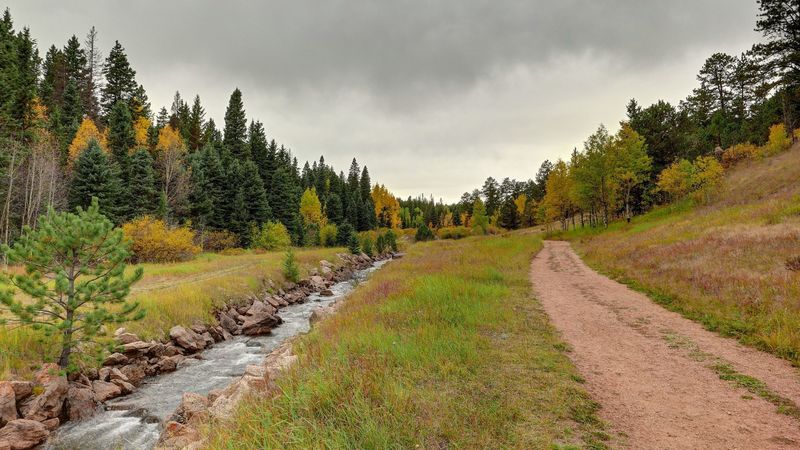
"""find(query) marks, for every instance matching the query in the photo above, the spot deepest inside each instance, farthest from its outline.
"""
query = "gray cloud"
(433, 96)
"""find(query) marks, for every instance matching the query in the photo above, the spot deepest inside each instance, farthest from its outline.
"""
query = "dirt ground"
(656, 374)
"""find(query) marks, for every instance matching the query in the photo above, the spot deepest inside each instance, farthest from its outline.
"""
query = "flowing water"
(136, 420)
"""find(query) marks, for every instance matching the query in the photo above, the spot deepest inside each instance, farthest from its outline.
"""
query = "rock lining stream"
(135, 421)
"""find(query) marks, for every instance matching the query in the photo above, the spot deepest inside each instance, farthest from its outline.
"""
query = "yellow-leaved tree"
(558, 203)
(86, 133)
(387, 208)
(140, 129)
(170, 152)
(311, 208)
(779, 140)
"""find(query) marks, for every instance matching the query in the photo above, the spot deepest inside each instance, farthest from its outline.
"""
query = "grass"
(722, 264)
(445, 348)
(172, 294)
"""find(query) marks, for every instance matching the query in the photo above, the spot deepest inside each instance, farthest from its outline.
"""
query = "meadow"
(723, 264)
(444, 348)
(172, 294)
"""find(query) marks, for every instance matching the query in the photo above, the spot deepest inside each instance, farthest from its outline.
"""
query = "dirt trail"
(657, 374)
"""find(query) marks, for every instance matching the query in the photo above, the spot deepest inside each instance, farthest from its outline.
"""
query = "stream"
(135, 421)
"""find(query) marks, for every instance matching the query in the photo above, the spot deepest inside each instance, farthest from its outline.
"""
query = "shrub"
(271, 236)
(453, 232)
(737, 153)
(217, 241)
(311, 235)
(290, 269)
(424, 233)
(366, 245)
(391, 240)
(793, 264)
(327, 235)
(380, 244)
(233, 251)
(778, 142)
(153, 241)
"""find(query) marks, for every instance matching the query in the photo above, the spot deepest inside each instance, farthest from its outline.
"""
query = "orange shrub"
(739, 152)
(217, 241)
(153, 241)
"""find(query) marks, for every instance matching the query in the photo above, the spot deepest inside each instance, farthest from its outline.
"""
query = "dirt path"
(656, 374)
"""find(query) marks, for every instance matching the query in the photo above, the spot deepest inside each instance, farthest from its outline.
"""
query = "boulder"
(157, 349)
(208, 338)
(52, 424)
(23, 434)
(171, 350)
(317, 282)
(199, 328)
(115, 359)
(320, 313)
(116, 374)
(169, 363)
(81, 402)
(216, 333)
(8, 403)
(127, 338)
(137, 347)
(179, 436)
(324, 263)
(50, 402)
(126, 387)
(22, 389)
(134, 372)
(103, 390)
(104, 374)
(261, 323)
(326, 293)
(193, 406)
(272, 302)
(258, 308)
(325, 270)
(228, 323)
(187, 339)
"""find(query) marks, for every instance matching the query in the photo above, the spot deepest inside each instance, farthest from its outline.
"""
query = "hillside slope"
(722, 264)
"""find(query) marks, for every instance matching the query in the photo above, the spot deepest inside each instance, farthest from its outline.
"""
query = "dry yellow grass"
(172, 294)
(723, 264)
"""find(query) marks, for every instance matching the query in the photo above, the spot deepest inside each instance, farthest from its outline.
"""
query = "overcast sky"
(433, 96)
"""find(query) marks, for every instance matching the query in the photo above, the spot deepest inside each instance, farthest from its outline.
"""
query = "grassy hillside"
(172, 294)
(722, 264)
(446, 348)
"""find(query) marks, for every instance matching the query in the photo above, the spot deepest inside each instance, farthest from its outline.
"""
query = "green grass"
(172, 294)
(722, 264)
(445, 348)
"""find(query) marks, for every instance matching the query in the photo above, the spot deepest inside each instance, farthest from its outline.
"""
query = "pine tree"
(259, 147)
(92, 76)
(94, 175)
(195, 128)
(509, 215)
(121, 137)
(142, 193)
(120, 80)
(86, 255)
(333, 208)
(235, 136)
(258, 210)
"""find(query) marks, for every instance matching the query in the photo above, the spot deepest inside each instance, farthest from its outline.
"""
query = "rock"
(137, 347)
(126, 387)
(8, 403)
(126, 338)
(258, 307)
(52, 424)
(208, 338)
(50, 402)
(326, 293)
(199, 328)
(157, 349)
(104, 390)
(259, 324)
(171, 350)
(272, 302)
(81, 403)
(134, 372)
(317, 282)
(116, 374)
(187, 339)
(216, 333)
(177, 435)
(228, 323)
(193, 406)
(320, 313)
(22, 389)
(115, 359)
(104, 374)
(325, 270)
(23, 434)
(169, 363)
(281, 301)
(324, 263)
(225, 335)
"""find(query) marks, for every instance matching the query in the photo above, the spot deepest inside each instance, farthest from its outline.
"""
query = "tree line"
(76, 126)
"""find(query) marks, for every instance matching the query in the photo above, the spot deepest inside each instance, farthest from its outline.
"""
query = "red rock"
(22, 434)
(187, 339)
(134, 372)
(81, 402)
(127, 338)
(22, 389)
(115, 359)
(52, 424)
(8, 403)
(50, 402)
(104, 390)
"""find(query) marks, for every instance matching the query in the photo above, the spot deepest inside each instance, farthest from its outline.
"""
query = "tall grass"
(722, 264)
(172, 294)
(445, 348)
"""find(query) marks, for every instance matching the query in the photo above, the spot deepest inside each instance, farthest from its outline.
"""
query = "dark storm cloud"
(519, 80)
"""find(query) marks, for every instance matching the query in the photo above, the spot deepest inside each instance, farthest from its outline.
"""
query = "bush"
(380, 244)
(366, 245)
(233, 251)
(737, 153)
(217, 241)
(423, 233)
(327, 235)
(290, 269)
(271, 236)
(779, 141)
(391, 240)
(311, 236)
(153, 241)
(453, 232)
(793, 264)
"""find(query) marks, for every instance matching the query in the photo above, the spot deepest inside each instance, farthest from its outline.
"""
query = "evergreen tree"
(94, 175)
(195, 128)
(121, 137)
(235, 136)
(142, 193)
(259, 147)
(120, 79)
(509, 215)
(258, 210)
(333, 208)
